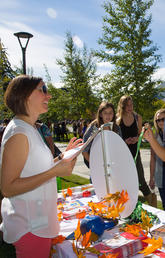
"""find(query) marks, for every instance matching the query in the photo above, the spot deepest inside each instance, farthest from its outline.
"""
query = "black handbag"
(56, 151)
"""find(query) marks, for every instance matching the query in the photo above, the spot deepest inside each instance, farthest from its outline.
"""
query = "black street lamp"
(23, 35)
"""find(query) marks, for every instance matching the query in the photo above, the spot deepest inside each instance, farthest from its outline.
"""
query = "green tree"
(6, 74)
(19, 69)
(79, 78)
(127, 45)
(59, 105)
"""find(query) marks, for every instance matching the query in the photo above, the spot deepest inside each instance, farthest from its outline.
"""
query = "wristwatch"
(59, 156)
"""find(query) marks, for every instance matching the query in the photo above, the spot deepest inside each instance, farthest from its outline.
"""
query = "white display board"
(120, 165)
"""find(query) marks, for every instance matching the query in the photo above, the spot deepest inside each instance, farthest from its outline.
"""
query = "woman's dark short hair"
(17, 92)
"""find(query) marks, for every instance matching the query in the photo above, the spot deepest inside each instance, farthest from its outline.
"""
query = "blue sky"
(49, 21)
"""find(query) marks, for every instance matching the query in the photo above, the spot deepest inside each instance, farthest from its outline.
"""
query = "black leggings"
(162, 189)
(142, 182)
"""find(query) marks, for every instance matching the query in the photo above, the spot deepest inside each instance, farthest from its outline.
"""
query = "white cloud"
(159, 74)
(105, 65)
(58, 84)
(51, 13)
(111, 52)
(103, 68)
(78, 42)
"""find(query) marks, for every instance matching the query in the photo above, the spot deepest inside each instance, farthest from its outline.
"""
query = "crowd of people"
(28, 159)
(128, 124)
(61, 130)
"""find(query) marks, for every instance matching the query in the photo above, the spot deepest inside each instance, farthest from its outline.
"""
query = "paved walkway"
(81, 169)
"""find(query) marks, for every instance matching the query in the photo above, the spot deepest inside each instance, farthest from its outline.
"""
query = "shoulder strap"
(136, 118)
(164, 134)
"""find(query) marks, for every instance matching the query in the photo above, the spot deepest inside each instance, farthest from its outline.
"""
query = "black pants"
(162, 190)
(142, 182)
(162, 195)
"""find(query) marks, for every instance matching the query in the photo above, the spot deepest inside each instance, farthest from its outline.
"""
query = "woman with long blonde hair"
(131, 125)
(157, 166)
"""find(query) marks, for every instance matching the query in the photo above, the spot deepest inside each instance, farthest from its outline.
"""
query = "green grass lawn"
(7, 251)
(73, 180)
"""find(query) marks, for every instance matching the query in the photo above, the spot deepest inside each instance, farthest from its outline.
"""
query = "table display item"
(121, 246)
(96, 224)
(113, 168)
(159, 232)
(111, 242)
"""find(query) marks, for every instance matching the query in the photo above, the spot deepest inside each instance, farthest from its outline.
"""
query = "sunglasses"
(44, 89)
(160, 120)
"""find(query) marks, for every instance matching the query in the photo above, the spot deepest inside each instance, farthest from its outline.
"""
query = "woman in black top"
(131, 126)
(130, 134)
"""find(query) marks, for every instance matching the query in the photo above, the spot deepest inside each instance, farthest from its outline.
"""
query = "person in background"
(49, 124)
(149, 136)
(28, 172)
(46, 135)
(80, 127)
(3, 127)
(64, 131)
(48, 139)
(57, 131)
(131, 126)
(105, 114)
(157, 166)
(84, 127)
(75, 128)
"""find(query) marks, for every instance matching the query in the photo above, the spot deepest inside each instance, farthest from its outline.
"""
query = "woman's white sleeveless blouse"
(34, 211)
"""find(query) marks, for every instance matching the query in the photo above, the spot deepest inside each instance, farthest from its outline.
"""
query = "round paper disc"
(121, 166)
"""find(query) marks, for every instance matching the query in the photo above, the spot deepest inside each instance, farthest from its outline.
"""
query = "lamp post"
(27, 36)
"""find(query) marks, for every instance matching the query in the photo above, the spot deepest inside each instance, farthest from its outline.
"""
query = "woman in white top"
(28, 173)
(157, 166)
(149, 136)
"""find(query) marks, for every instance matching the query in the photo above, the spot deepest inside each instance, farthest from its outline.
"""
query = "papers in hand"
(73, 153)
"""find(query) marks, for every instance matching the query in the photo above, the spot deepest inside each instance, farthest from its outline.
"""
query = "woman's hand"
(152, 183)
(128, 141)
(65, 167)
(74, 142)
(148, 134)
(131, 140)
(134, 140)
